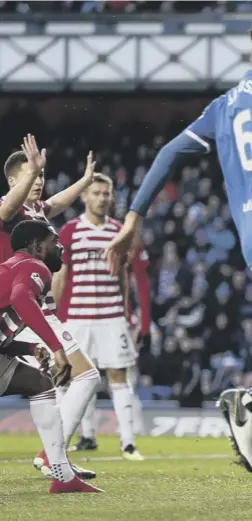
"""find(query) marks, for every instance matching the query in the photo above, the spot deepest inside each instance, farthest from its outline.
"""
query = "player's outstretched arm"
(64, 199)
(159, 174)
(18, 194)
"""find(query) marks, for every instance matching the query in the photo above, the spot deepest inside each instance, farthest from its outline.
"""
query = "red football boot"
(42, 464)
(75, 485)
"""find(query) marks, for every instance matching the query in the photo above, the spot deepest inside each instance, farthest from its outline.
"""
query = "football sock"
(122, 400)
(88, 420)
(137, 412)
(60, 393)
(47, 418)
(76, 399)
(137, 409)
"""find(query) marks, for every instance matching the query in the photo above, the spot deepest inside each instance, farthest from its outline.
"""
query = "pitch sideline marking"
(120, 458)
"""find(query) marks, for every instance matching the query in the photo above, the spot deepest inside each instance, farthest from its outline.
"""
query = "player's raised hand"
(36, 160)
(124, 244)
(89, 174)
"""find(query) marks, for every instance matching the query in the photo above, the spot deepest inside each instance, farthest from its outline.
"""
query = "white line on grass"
(120, 458)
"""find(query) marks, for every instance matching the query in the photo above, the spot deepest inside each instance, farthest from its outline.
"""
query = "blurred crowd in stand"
(201, 291)
(126, 6)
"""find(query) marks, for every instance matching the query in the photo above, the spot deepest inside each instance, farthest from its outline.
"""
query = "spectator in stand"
(126, 6)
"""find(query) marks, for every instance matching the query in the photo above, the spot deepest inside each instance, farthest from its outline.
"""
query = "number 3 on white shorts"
(124, 341)
(243, 138)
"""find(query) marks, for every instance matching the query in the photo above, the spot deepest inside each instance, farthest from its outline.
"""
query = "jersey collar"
(84, 219)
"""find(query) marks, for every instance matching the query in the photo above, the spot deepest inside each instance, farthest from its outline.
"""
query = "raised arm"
(194, 140)
(64, 199)
(17, 195)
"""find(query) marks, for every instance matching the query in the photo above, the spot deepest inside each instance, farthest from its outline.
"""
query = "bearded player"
(25, 279)
(93, 303)
(24, 171)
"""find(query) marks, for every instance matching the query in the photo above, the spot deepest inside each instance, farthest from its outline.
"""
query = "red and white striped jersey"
(38, 212)
(91, 293)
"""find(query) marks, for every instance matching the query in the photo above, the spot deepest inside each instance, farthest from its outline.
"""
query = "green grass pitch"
(184, 479)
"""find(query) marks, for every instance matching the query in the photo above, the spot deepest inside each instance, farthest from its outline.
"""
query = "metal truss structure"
(88, 56)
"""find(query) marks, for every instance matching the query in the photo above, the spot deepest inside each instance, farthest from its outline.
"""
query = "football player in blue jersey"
(227, 122)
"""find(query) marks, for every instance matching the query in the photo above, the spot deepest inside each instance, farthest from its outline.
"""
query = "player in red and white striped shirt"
(138, 276)
(93, 303)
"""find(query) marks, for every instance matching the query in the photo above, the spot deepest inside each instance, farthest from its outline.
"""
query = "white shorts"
(62, 332)
(108, 344)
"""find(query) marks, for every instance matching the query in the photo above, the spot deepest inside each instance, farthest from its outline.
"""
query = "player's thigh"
(83, 335)
(28, 381)
(78, 356)
(80, 362)
(114, 345)
(116, 376)
(62, 332)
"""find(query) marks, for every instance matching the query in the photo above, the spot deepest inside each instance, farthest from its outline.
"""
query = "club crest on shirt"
(66, 335)
(38, 280)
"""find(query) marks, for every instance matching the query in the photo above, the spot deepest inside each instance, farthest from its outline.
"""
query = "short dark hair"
(14, 162)
(26, 232)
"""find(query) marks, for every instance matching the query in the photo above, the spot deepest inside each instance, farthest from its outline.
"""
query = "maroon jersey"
(39, 211)
(24, 283)
(91, 293)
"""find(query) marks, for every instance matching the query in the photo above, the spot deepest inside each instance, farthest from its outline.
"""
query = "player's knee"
(117, 376)
(80, 363)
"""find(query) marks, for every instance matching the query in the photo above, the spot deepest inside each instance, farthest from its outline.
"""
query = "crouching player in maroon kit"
(25, 280)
